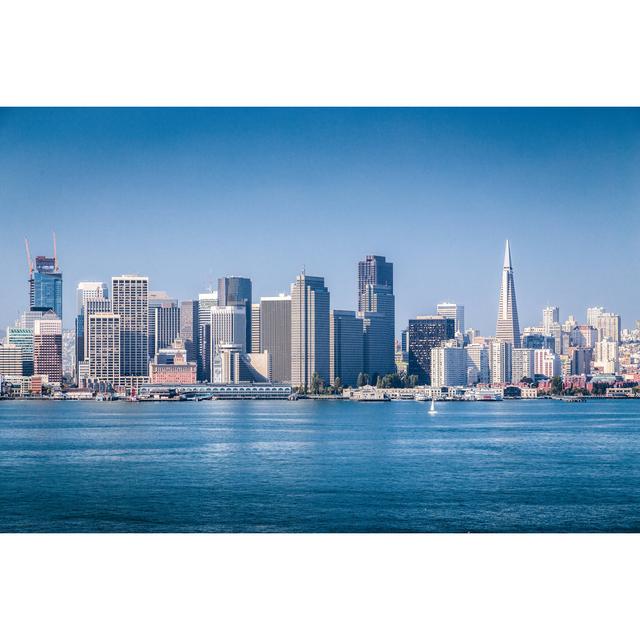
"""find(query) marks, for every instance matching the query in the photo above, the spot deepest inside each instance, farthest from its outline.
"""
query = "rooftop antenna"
(55, 253)
(29, 262)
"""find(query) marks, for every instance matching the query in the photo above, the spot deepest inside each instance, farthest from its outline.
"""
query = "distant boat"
(432, 408)
(420, 397)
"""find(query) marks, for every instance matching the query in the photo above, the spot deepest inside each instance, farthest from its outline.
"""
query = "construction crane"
(29, 261)
(55, 254)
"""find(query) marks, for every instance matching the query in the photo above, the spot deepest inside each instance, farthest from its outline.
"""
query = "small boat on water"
(432, 408)
(420, 397)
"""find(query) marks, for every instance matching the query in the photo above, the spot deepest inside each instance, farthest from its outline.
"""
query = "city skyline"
(435, 190)
(581, 314)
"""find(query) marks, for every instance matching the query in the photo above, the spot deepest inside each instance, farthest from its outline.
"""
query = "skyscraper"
(346, 344)
(425, 333)
(189, 328)
(477, 364)
(47, 347)
(500, 359)
(86, 291)
(522, 364)
(11, 363)
(508, 328)
(375, 296)
(373, 270)
(454, 311)
(228, 327)
(234, 291)
(168, 323)
(166, 326)
(104, 334)
(23, 339)
(255, 328)
(309, 330)
(275, 334)
(206, 301)
(130, 301)
(448, 365)
(45, 283)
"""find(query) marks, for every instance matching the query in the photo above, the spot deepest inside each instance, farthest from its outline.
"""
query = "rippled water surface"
(324, 466)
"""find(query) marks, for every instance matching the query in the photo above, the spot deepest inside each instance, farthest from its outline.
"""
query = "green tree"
(317, 384)
(363, 379)
(337, 384)
(411, 381)
(556, 385)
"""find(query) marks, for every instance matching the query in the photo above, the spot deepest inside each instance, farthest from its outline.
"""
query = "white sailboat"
(432, 408)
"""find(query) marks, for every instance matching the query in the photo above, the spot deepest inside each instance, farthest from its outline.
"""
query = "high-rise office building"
(373, 270)
(86, 291)
(375, 345)
(236, 292)
(309, 330)
(425, 333)
(166, 326)
(189, 324)
(229, 326)
(92, 305)
(10, 360)
(130, 300)
(166, 322)
(275, 334)
(500, 358)
(508, 327)
(23, 339)
(206, 301)
(454, 311)
(477, 364)
(104, 339)
(522, 364)
(255, 328)
(45, 283)
(47, 347)
(375, 296)
(550, 316)
(346, 347)
(448, 365)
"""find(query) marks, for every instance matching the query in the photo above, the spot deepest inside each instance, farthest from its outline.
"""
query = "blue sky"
(187, 195)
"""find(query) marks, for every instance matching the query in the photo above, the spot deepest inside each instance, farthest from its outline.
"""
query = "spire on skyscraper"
(508, 327)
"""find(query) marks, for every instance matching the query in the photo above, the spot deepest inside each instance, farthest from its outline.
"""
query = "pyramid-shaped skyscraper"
(508, 328)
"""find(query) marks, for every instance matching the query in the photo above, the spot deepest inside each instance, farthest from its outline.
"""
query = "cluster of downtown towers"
(295, 338)
(120, 332)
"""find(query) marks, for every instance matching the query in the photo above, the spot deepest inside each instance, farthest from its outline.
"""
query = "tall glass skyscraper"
(376, 306)
(45, 286)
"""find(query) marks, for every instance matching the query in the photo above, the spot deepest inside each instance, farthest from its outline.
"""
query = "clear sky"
(187, 195)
